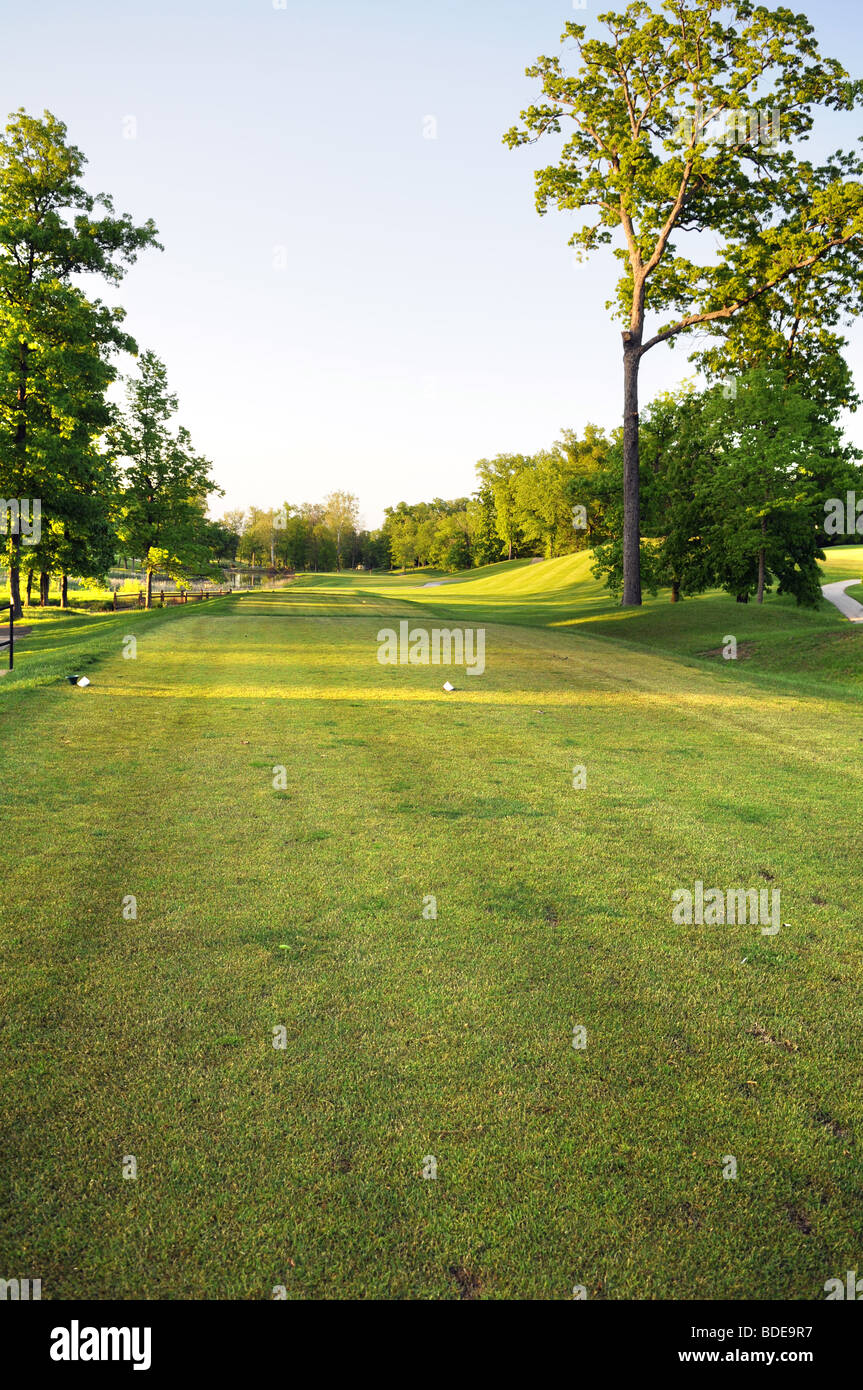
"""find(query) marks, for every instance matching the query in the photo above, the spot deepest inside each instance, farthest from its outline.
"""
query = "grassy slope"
(776, 639)
(408, 1037)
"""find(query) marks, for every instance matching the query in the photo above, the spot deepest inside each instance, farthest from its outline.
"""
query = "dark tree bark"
(15, 577)
(631, 529)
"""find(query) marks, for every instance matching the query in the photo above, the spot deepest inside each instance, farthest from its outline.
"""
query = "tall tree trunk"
(44, 588)
(29, 585)
(148, 601)
(675, 591)
(64, 591)
(15, 577)
(631, 528)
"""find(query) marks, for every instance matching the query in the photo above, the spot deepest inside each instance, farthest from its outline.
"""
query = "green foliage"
(768, 462)
(733, 484)
(165, 483)
(671, 130)
(653, 151)
(499, 475)
(486, 542)
(341, 514)
(56, 344)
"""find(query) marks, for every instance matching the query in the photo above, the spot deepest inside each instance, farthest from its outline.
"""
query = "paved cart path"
(835, 594)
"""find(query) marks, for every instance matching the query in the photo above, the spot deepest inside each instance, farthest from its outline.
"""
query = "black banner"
(85, 1340)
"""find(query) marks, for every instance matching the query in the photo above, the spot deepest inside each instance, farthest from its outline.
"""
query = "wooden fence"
(165, 598)
(10, 640)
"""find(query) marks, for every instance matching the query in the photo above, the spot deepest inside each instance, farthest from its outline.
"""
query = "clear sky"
(343, 302)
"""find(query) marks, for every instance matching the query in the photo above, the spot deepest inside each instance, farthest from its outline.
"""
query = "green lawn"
(406, 1037)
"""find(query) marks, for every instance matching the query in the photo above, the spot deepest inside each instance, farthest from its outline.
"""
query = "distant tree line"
(734, 480)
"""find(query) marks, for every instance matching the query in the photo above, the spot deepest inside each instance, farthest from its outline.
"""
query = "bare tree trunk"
(631, 529)
(148, 600)
(44, 588)
(64, 591)
(29, 586)
(675, 591)
(15, 577)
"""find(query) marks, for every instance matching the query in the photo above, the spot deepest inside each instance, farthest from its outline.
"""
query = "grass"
(81, 599)
(61, 641)
(817, 647)
(295, 900)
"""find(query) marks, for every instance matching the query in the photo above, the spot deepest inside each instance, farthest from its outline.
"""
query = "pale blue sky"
(425, 316)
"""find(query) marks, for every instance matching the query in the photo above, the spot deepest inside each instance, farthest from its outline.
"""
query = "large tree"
(68, 415)
(761, 497)
(55, 343)
(486, 541)
(733, 483)
(342, 510)
(165, 485)
(543, 509)
(588, 472)
(676, 133)
(500, 475)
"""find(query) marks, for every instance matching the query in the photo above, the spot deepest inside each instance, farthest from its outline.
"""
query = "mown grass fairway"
(409, 1037)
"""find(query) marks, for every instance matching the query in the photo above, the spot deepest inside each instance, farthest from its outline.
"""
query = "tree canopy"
(684, 120)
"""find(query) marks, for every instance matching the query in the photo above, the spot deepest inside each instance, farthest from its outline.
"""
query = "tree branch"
(731, 309)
